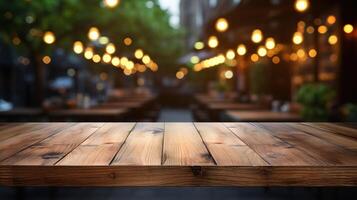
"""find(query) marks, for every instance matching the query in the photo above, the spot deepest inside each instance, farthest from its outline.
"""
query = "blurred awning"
(201, 55)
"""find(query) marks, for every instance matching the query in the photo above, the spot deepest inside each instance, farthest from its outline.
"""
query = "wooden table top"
(262, 116)
(178, 154)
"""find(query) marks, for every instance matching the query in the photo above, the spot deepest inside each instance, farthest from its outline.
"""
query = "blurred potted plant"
(222, 88)
(349, 112)
(315, 99)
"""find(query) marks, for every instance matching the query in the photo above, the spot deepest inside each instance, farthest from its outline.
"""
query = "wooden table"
(178, 154)
(262, 116)
(92, 114)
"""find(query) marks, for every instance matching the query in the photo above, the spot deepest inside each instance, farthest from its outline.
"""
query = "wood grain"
(143, 146)
(101, 147)
(226, 148)
(183, 146)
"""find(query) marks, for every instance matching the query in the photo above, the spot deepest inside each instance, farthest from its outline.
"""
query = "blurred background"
(178, 60)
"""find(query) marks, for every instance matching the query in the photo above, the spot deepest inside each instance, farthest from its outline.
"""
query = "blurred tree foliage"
(23, 23)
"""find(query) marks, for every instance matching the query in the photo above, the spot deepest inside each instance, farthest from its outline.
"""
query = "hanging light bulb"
(298, 38)
(241, 50)
(257, 36)
(230, 55)
(93, 33)
(49, 37)
(270, 43)
(110, 48)
(111, 3)
(302, 5)
(213, 42)
(139, 54)
(221, 25)
(78, 47)
(262, 51)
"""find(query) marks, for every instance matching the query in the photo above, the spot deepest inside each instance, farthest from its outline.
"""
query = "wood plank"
(101, 147)
(25, 139)
(184, 146)
(143, 146)
(338, 129)
(226, 148)
(14, 129)
(327, 135)
(177, 176)
(273, 150)
(317, 148)
(54, 148)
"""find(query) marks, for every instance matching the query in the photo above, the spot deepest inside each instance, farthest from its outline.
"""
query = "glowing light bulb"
(257, 36)
(93, 33)
(222, 25)
(348, 28)
(49, 37)
(199, 45)
(241, 50)
(180, 75)
(228, 74)
(262, 51)
(111, 3)
(110, 48)
(270, 43)
(333, 39)
(78, 47)
(213, 42)
(230, 54)
(298, 38)
(301, 5)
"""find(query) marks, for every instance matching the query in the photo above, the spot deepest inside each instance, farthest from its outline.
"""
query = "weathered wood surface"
(178, 154)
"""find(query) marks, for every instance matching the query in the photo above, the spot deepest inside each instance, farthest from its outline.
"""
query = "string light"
(96, 58)
(103, 40)
(348, 28)
(49, 37)
(230, 55)
(213, 42)
(139, 54)
(331, 19)
(312, 53)
(195, 59)
(254, 57)
(270, 43)
(257, 36)
(228, 74)
(110, 48)
(116, 61)
(128, 41)
(46, 60)
(88, 53)
(146, 59)
(199, 45)
(241, 50)
(78, 47)
(262, 51)
(111, 3)
(180, 75)
(106, 58)
(298, 38)
(93, 34)
(221, 25)
(333, 39)
(322, 29)
(276, 60)
(301, 5)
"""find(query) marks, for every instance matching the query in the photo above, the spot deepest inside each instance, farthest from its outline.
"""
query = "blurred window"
(212, 3)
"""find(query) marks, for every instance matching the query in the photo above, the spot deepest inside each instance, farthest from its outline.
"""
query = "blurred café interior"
(201, 60)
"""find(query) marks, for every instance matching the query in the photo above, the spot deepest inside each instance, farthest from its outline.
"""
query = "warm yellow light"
(241, 50)
(199, 45)
(195, 59)
(301, 5)
(348, 28)
(312, 53)
(139, 54)
(257, 36)
(93, 33)
(310, 29)
(184, 70)
(254, 57)
(262, 51)
(96, 58)
(49, 37)
(300, 53)
(322, 29)
(298, 38)
(276, 60)
(88, 53)
(332, 39)
(107, 58)
(103, 40)
(128, 41)
(221, 25)
(110, 48)
(130, 65)
(331, 19)
(46, 60)
(124, 60)
(146, 59)
(141, 68)
(111, 3)
(127, 72)
(228, 74)
(78, 47)
(213, 42)
(180, 75)
(293, 57)
(270, 43)
(116, 61)
(230, 54)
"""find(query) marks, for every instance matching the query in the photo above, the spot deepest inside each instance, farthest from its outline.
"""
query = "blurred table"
(262, 116)
(177, 154)
(21, 114)
(92, 114)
